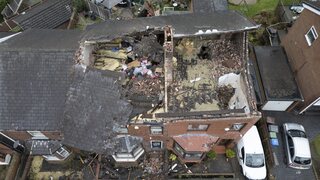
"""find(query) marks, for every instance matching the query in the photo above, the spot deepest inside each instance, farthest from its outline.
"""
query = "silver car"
(297, 146)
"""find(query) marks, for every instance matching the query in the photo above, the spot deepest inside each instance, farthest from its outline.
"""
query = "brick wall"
(216, 128)
(304, 59)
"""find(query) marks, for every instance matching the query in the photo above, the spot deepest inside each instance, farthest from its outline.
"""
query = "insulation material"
(238, 100)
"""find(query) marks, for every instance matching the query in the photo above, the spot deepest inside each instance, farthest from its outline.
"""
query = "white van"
(251, 156)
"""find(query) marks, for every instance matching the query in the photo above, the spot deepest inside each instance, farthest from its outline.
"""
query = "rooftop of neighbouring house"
(313, 3)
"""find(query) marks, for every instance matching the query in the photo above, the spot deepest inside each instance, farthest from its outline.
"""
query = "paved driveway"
(312, 127)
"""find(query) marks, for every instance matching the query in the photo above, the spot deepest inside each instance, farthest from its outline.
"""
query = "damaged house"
(188, 83)
(123, 88)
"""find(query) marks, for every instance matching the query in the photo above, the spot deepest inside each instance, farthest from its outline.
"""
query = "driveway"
(312, 127)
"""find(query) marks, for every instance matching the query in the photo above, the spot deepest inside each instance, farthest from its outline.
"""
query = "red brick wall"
(5, 150)
(304, 59)
(174, 128)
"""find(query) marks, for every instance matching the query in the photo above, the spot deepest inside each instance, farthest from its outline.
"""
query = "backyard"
(262, 12)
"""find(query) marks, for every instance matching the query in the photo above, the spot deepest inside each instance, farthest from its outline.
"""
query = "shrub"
(172, 157)
(230, 153)
(212, 154)
(80, 5)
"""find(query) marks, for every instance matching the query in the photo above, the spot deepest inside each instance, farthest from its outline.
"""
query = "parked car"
(297, 146)
(251, 155)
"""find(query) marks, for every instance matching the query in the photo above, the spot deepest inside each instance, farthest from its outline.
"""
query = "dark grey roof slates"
(93, 108)
(34, 78)
(276, 75)
(47, 15)
(32, 89)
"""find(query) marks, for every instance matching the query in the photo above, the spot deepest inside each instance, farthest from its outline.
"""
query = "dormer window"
(311, 35)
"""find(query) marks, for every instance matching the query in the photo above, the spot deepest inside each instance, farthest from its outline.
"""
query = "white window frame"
(37, 135)
(198, 127)
(237, 126)
(156, 130)
(157, 142)
(63, 152)
(7, 160)
(314, 33)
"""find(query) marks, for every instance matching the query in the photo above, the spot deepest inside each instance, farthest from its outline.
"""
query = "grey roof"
(32, 88)
(127, 143)
(34, 80)
(217, 22)
(205, 6)
(47, 15)
(42, 146)
(44, 39)
(277, 78)
(110, 3)
(93, 109)
(313, 3)
(5, 34)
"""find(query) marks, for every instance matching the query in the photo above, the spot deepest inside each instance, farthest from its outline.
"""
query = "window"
(187, 155)
(179, 149)
(193, 155)
(156, 144)
(311, 35)
(156, 130)
(237, 126)
(63, 152)
(37, 135)
(198, 127)
(121, 130)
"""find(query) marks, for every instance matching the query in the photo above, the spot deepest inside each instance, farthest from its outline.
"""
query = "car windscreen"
(254, 160)
(302, 160)
(297, 133)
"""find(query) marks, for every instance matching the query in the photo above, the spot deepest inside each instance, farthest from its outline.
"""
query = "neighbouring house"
(123, 88)
(302, 45)
(196, 96)
(48, 14)
(50, 104)
(34, 71)
(103, 8)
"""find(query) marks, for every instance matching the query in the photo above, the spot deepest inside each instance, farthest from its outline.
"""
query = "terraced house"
(125, 88)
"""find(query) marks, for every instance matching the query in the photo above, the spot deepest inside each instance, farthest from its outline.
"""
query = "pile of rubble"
(153, 164)
(198, 65)
(139, 57)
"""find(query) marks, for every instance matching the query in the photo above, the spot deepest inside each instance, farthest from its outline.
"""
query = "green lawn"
(316, 145)
(260, 6)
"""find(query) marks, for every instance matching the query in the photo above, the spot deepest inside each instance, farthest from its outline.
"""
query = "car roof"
(251, 141)
(294, 126)
(301, 147)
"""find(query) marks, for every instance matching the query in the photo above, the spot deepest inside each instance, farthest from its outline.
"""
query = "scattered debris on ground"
(198, 65)
(140, 58)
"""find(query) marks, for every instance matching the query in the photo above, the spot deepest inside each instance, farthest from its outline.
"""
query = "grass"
(261, 5)
(316, 145)
(254, 9)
